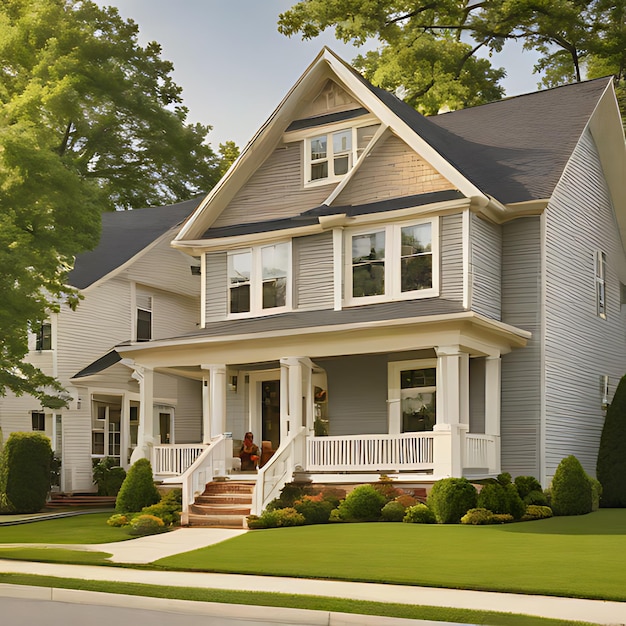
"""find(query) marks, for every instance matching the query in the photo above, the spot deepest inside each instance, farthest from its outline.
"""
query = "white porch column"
(217, 401)
(206, 410)
(146, 435)
(296, 380)
(452, 410)
(493, 400)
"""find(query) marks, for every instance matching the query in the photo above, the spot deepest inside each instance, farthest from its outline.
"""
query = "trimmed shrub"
(118, 519)
(108, 476)
(611, 466)
(386, 488)
(536, 497)
(335, 517)
(525, 485)
(534, 512)
(451, 498)
(571, 488)
(168, 508)
(407, 500)
(276, 519)
(314, 511)
(477, 517)
(334, 495)
(493, 497)
(138, 489)
(419, 514)
(25, 472)
(596, 493)
(145, 525)
(362, 504)
(289, 495)
(502, 518)
(392, 512)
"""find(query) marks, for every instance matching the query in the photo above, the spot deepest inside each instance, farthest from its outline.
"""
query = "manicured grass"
(294, 601)
(568, 556)
(55, 555)
(90, 528)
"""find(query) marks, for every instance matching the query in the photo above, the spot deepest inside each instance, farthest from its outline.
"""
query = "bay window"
(259, 279)
(392, 262)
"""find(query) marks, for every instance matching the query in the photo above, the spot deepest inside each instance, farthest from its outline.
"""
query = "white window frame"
(256, 281)
(600, 283)
(329, 131)
(393, 253)
(394, 391)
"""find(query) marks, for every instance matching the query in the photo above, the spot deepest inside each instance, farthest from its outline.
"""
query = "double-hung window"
(601, 283)
(259, 280)
(44, 337)
(392, 262)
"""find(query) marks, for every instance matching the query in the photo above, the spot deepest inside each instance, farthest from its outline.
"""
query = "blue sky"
(235, 67)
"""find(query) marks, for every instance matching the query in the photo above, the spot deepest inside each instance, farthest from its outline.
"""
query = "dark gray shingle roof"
(124, 234)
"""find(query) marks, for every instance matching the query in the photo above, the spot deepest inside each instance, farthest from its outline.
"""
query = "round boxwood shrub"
(493, 497)
(137, 490)
(118, 519)
(392, 512)
(611, 466)
(362, 504)
(451, 498)
(571, 488)
(534, 511)
(526, 485)
(277, 518)
(314, 509)
(419, 514)
(145, 525)
(478, 517)
(536, 497)
(25, 472)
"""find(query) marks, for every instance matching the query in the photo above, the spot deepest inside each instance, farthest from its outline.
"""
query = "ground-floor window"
(414, 384)
(106, 426)
(38, 421)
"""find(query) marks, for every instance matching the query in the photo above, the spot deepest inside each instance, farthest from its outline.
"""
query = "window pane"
(416, 265)
(239, 270)
(144, 325)
(342, 165)
(97, 443)
(274, 293)
(418, 410)
(38, 421)
(275, 261)
(240, 299)
(342, 141)
(410, 379)
(44, 338)
(368, 264)
(319, 147)
(319, 170)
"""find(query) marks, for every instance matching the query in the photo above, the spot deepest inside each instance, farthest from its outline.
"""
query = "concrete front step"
(224, 504)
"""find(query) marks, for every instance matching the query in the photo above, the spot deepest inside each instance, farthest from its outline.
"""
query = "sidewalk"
(148, 549)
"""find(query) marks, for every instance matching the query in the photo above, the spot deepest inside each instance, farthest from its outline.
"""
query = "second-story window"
(258, 279)
(601, 283)
(144, 317)
(44, 337)
(392, 262)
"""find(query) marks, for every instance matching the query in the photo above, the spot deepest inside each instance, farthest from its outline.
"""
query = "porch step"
(223, 504)
(61, 501)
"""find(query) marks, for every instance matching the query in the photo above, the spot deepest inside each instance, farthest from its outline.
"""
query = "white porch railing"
(480, 452)
(175, 460)
(211, 462)
(279, 470)
(406, 451)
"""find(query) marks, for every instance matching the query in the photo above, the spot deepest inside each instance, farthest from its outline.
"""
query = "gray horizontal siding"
(452, 257)
(274, 191)
(485, 267)
(313, 270)
(216, 282)
(477, 395)
(521, 369)
(579, 345)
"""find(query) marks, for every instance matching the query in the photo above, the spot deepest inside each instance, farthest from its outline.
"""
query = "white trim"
(203, 279)
(542, 349)
(254, 409)
(467, 285)
(393, 254)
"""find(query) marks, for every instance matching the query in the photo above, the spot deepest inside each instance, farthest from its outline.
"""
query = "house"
(134, 286)
(387, 293)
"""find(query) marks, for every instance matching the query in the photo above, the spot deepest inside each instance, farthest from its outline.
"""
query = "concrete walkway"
(148, 549)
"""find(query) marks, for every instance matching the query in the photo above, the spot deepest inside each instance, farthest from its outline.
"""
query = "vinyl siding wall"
(451, 232)
(521, 369)
(579, 345)
(313, 264)
(274, 191)
(485, 267)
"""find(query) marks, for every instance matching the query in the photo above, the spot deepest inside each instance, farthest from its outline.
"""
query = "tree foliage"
(89, 121)
(429, 48)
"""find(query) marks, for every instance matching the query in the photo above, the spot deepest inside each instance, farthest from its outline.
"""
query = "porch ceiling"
(477, 335)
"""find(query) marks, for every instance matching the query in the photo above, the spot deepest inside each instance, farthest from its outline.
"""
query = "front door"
(265, 408)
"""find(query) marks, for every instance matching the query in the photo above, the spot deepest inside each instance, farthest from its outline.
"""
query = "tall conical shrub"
(138, 489)
(571, 488)
(611, 468)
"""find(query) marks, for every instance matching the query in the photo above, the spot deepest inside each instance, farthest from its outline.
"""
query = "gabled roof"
(124, 235)
(511, 151)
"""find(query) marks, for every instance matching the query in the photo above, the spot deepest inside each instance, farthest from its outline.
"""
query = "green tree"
(611, 468)
(429, 48)
(89, 121)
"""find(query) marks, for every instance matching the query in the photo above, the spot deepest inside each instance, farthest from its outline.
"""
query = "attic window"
(331, 155)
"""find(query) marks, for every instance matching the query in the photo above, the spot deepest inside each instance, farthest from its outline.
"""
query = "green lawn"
(89, 528)
(569, 556)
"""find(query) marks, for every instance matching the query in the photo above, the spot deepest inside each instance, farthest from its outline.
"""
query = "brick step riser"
(225, 499)
(214, 510)
(207, 521)
(216, 488)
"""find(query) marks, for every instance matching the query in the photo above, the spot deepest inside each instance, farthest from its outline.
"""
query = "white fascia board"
(514, 336)
(408, 135)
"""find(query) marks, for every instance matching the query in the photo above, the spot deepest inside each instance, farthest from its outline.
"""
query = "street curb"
(278, 615)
